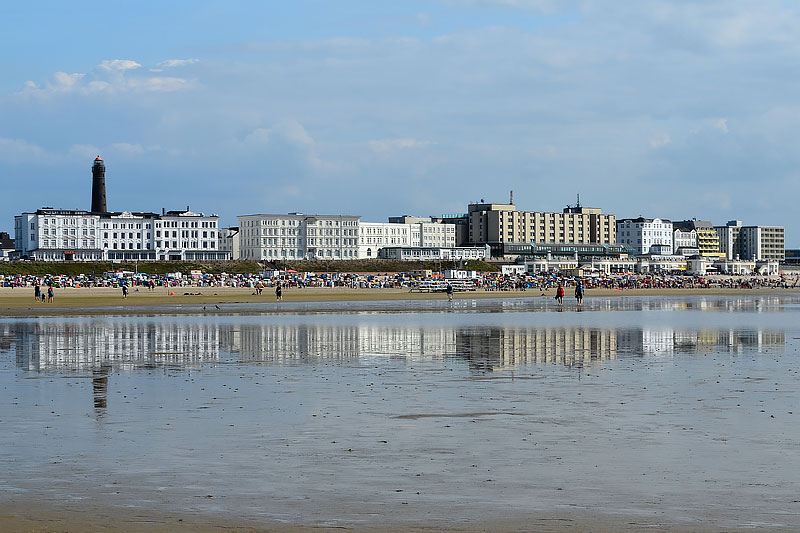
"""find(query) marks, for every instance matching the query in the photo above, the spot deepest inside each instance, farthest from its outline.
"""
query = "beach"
(643, 412)
(20, 301)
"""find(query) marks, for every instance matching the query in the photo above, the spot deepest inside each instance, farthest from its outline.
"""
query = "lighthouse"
(99, 186)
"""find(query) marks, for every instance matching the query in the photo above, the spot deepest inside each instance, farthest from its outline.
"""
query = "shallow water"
(663, 409)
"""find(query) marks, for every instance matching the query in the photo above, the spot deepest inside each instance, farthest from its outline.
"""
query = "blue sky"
(663, 109)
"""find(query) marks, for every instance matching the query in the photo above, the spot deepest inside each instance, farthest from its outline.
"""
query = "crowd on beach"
(488, 281)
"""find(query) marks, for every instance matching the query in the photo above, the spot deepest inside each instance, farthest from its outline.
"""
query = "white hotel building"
(643, 233)
(74, 235)
(374, 236)
(298, 236)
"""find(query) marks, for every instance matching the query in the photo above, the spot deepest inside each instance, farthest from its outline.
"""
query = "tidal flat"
(640, 412)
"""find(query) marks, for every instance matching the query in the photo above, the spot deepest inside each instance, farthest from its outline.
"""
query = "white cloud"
(660, 141)
(18, 150)
(64, 81)
(160, 84)
(119, 64)
(172, 63)
(128, 148)
(385, 145)
(85, 151)
(721, 124)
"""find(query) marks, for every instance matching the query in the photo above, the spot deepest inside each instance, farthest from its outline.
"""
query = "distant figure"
(560, 294)
(579, 294)
(216, 306)
(50, 294)
(124, 291)
(278, 292)
(449, 291)
(37, 292)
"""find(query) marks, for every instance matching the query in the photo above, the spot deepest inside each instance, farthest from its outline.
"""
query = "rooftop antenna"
(579, 200)
(511, 199)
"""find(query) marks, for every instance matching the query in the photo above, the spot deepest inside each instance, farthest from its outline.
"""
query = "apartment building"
(294, 236)
(644, 235)
(502, 223)
(74, 235)
(760, 243)
(707, 237)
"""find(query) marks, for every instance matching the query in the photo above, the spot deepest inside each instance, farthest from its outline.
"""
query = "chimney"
(163, 211)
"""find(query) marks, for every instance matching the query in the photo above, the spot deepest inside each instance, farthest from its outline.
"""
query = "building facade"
(297, 236)
(72, 235)
(373, 236)
(707, 237)
(428, 253)
(229, 241)
(684, 241)
(502, 223)
(643, 233)
(758, 243)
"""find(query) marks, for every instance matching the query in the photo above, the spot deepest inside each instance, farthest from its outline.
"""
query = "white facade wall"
(683, 239)
(229, 241)
(419, 253)
(433, 235)
(56, 234)
(372, 236)
(642, 233)
(296, 236)
(127, 236)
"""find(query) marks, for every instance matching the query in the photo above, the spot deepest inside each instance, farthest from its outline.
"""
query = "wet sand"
(20, 302)
(36, 517)
(641, 414)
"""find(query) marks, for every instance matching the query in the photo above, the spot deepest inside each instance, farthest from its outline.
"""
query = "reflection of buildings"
(102, 346)
(667, 341)
(299, 342)
(48, 345)
(509, 348)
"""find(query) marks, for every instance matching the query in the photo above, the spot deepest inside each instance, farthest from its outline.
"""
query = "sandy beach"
(20, 301)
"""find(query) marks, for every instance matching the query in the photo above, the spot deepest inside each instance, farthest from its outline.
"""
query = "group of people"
(44, 296)
(578, 294)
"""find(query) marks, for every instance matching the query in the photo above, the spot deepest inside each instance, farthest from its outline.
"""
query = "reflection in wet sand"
(97, 344)
(483, 413)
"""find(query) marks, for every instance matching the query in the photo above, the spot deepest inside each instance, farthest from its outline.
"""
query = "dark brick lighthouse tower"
(99, 186)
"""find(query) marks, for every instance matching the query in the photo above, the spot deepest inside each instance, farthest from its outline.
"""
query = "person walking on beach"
(560, 294)
(124, 291)
(50, 294)
(37, 292)
(449, 291)
(278, 292)
(579, 294)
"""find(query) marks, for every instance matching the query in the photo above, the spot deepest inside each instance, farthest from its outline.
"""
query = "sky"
(670, 109)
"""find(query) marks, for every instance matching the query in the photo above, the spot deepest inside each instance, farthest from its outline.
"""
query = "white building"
(229, 241)
(372, 236)
(684, 241)
(58, 235)
(422, 233)
(73, 235)
(420, 253)
(433, 235)
(298, 236)
(642, 233)
(187, 236)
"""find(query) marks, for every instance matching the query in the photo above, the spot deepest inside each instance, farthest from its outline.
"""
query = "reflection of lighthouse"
(99, 186)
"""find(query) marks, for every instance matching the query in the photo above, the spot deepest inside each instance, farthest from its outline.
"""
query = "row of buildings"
(576, 235)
